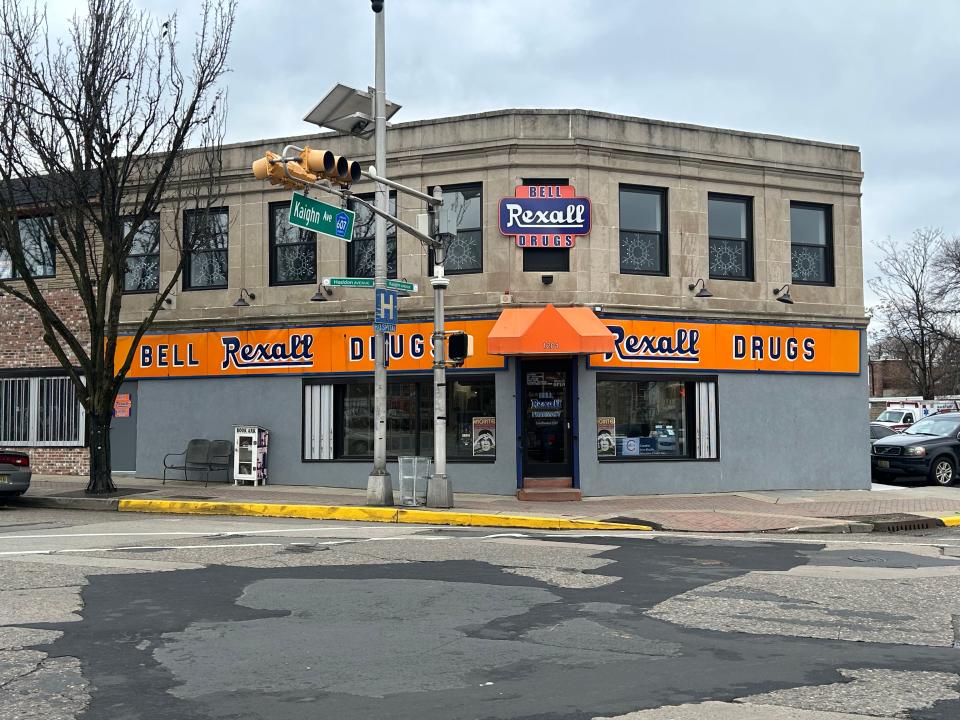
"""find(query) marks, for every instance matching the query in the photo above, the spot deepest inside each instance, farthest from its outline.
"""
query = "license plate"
(883, 463)
(4, 479)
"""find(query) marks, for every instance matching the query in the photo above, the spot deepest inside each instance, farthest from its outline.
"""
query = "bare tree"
(913, 323)
(95, 131)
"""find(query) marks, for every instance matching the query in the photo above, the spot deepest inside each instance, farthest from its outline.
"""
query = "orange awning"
(549, 331)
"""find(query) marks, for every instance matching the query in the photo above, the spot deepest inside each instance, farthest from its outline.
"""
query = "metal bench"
(196, 457)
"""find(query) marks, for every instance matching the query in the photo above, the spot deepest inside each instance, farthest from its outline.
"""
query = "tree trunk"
(101, 481)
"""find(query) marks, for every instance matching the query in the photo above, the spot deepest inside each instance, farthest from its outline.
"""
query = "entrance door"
(546, 414)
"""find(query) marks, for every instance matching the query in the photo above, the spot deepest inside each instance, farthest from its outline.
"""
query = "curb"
(62, 503)
(369, 514)
(949, 520)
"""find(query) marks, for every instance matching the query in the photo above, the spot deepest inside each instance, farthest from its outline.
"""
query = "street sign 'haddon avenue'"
(310, 214)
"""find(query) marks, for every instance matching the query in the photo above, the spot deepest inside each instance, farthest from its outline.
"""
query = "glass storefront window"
(643, 418)
(471, 411)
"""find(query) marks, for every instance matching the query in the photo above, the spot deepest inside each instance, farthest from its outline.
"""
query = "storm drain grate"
(897, 522)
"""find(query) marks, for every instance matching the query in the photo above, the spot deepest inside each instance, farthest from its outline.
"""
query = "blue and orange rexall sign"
(336, 349)
(654, 345)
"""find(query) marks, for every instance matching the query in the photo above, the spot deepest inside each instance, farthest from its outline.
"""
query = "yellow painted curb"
(369, 514)
(950, 520)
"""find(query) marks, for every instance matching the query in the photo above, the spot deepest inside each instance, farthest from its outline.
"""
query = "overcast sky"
(879, 74)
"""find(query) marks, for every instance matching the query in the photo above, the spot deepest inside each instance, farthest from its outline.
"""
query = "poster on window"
(606, 437)
(485, 437)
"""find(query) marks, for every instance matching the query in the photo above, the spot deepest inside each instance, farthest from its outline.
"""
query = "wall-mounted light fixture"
(322, 294)
(702, 292)
(546, 279)
(783, 295)
(241, 302)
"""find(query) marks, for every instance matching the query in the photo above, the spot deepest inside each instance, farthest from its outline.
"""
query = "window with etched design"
(206, 238)
(361, 253)
(643, 237)
(293, 250)
(142, 274)
(811, 244)
(730, 222)
(464, 253)
(35, 241)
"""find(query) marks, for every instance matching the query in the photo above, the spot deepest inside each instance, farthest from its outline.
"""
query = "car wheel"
(942, 471)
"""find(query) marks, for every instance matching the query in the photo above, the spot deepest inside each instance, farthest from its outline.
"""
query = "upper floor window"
(293, 251)
(143, 263)
(361, 252)
(730, 221)
(811, 243)
(464, 254)
(37, 246)
(643, 237)
(205, 237)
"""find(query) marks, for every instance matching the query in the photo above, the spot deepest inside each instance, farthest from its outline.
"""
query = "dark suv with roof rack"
(929, 448)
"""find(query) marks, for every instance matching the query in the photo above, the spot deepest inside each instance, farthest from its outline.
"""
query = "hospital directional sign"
(321, 217)
(386, 310)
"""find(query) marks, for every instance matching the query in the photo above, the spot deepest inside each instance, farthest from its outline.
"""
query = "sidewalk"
(770, 511)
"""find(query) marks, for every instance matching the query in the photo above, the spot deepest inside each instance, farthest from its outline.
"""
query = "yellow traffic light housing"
(334, 168)
(310, 166)
(271, 167)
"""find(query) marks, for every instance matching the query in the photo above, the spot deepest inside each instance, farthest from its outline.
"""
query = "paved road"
(107, 615)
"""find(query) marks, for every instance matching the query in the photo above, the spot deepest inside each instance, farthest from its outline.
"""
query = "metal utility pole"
(439, 487)
(379, 487)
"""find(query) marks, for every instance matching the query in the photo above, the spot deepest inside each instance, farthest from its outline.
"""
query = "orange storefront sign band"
(336, 349)
(720, 346)
(637, 345)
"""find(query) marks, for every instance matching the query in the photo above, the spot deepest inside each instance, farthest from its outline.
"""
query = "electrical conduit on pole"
(379, 487)
(439, 487)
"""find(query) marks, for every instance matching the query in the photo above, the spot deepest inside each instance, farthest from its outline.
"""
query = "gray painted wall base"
(777, 432)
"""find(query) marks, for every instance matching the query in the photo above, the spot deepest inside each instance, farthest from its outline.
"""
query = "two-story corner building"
(626, 283)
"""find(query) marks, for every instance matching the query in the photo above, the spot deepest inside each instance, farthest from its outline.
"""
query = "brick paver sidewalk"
(709, 512)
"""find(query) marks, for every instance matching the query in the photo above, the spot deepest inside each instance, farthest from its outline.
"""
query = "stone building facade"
(723, 390)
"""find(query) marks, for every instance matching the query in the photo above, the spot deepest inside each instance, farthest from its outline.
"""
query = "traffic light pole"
(439, 487)
(379, 487)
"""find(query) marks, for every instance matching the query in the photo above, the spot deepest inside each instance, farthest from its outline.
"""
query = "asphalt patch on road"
(443, 639)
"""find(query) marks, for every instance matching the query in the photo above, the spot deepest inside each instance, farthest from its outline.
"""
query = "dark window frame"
(351, 270)
(188, 257)
(828, 259)
(749, 243)
(419, 380)
(51, 244)
(451, 188)
(272, 246)
(664, 239)
(126, 291)
(690, 407)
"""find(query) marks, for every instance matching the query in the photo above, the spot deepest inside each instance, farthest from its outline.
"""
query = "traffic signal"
(334, 168)
(270, 167)
(311, 165)
(459, 347)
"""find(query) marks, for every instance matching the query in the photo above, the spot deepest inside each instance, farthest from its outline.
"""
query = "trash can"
(415, 472)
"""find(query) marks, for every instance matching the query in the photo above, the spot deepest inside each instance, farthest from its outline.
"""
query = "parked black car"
(878, 431)
(929, 448)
